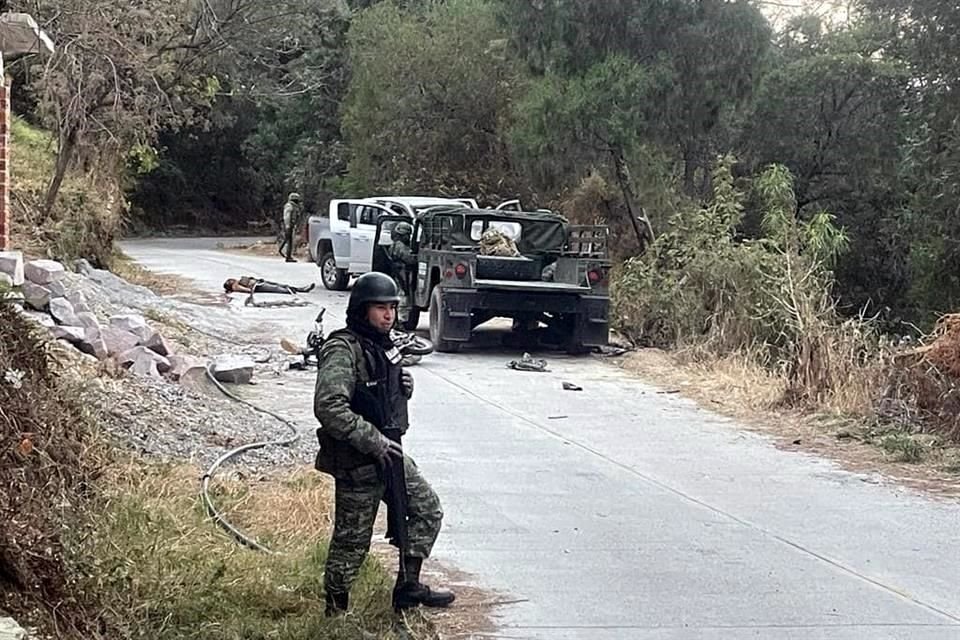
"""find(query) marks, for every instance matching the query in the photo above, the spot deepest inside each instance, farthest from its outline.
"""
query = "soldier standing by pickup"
(291, 218)
(360, 382)
(402, 261)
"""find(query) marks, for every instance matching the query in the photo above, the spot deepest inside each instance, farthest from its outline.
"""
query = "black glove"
(391, 453)
(406, 380)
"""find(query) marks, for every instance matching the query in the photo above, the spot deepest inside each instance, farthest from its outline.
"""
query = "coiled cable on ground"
(218, 517)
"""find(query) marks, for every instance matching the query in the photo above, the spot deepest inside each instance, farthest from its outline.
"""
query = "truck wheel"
(333, 278)
(438, 318)
(413, 319)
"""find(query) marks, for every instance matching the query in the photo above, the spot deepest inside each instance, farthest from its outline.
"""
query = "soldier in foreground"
(402, 261)
(291, 218)
(361, 394)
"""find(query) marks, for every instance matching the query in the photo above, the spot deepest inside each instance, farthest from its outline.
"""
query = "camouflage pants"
(403, 307)
(357, 500)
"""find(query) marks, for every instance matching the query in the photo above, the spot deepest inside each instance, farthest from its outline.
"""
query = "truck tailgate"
(529, 285)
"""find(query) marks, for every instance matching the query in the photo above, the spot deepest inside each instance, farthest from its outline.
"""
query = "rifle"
(395, 496)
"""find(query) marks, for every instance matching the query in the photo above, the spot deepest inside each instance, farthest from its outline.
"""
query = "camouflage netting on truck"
(534, 233)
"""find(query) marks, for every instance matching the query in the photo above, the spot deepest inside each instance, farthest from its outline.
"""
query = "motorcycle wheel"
(417, 346)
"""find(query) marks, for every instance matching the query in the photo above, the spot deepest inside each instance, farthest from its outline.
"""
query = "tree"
(923, 34)
(273, 126)
(599, 117)
(834, 116)
(427, 100)
(711, 50)
(124, 72)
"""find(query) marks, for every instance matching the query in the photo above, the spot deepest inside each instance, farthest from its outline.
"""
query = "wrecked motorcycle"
(410, 345)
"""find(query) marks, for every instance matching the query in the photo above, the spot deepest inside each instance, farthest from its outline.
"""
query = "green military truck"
(559, 281)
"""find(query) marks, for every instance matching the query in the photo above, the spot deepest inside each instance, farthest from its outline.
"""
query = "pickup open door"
(343, 213)
(363, 228)
(383, 240)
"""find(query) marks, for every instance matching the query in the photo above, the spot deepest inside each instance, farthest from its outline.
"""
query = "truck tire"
(438, 318)
(574, 345)
(333, 278)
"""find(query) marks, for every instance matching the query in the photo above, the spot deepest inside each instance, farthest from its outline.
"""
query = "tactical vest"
(378, 398)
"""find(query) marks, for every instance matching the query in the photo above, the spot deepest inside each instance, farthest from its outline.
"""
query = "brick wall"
(4, 164)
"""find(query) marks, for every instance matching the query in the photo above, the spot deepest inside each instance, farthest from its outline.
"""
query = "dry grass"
(733, 383)
(296, 508)
(738, 387)
(50, 456)
(165, 571)
(263, 248)
(163, 285)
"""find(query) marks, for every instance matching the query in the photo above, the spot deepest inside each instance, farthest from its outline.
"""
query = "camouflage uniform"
(291, 218)
(349, 445)
(402, 258)
(494, 242)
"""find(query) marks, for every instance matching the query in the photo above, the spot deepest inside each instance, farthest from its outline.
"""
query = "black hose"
(221, 520)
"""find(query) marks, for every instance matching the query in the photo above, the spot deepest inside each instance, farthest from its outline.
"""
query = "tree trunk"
(64, 157)
(644, 236)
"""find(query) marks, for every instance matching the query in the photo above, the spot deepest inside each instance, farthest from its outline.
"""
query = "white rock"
(10, 630)
(135, 324)
(58, 289)
(186, 366)
(233, 369)
(62, 312)
(118, 341)
(94, 346)
(11, 263)
(88, 320)
(141, 355)
(41, 319)
(93, 342)
(73, 335)
(36, 296)
(127, 322)
(79, 301)
(43, 271)
(159, 344)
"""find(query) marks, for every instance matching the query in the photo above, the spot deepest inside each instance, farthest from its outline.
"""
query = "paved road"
(622, 513)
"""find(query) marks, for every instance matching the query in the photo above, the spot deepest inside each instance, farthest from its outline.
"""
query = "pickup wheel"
(438, 318)
(333, 278)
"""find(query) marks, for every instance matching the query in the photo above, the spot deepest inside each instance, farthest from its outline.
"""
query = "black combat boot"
(337, 604)
(410, 593)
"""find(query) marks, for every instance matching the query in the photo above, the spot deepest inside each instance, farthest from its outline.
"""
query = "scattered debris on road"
(528, 363)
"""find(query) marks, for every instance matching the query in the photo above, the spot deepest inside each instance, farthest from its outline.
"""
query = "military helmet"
(294, 197)
(370, 288)
(402, 230)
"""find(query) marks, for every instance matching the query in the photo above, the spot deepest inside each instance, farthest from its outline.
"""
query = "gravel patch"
(169, 422)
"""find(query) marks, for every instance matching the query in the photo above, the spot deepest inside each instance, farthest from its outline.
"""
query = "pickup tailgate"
(529, 285)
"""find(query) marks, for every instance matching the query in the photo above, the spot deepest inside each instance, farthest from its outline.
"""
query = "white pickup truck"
(341, 242)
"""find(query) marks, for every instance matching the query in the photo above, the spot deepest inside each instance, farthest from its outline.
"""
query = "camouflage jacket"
(291, 214)
(347, 441)
(401, 257)
(494, 242)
